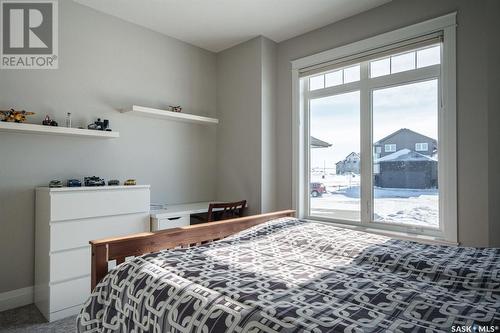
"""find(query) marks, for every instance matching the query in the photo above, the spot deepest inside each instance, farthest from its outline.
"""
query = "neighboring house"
(317, 143)
(349, 165)
(405, 139)
(406, 159)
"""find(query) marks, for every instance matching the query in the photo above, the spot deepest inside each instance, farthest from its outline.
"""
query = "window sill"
(394, 234)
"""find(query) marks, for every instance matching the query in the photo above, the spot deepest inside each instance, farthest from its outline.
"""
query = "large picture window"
(376, 136)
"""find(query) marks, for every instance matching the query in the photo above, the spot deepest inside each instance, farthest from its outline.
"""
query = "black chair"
(220, 211)
(225, 210)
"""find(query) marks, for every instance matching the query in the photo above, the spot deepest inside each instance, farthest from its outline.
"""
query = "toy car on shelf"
(100, 125)
(74, 183)
(94, 181)
(130, 182)
(113, 182)
(55, 183)
(49, 122)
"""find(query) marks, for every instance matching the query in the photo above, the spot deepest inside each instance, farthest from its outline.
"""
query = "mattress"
(289, 275)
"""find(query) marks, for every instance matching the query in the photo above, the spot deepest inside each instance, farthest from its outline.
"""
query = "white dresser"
(66, 220)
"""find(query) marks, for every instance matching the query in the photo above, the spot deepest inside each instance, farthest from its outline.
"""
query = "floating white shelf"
(54, 130)
(169, 115)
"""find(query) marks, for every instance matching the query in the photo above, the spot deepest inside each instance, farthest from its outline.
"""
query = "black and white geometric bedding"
(289, 275)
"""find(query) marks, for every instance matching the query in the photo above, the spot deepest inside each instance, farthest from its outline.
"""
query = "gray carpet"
(29, 319)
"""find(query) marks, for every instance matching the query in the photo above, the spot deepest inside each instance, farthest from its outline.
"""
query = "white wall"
(472, 91)
(105, 64)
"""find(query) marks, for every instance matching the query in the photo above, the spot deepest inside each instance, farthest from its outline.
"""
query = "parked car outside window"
(317, 189)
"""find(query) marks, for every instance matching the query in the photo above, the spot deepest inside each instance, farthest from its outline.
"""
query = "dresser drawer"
(77, 233)
(69, 264)
(70, 293)
(101, 202)
(170, 222)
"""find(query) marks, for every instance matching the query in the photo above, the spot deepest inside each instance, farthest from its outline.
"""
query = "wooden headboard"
(104, 250)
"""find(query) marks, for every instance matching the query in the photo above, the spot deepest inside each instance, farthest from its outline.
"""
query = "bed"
(276, 273)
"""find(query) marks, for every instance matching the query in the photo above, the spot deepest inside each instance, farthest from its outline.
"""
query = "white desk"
(180, 209)
(175, 216)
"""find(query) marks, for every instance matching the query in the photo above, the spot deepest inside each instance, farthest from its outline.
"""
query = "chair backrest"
(225, 210)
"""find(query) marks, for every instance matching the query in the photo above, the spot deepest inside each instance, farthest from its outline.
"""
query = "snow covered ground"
(406, 206)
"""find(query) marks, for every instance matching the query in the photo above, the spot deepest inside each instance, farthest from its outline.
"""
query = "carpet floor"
(29, 319)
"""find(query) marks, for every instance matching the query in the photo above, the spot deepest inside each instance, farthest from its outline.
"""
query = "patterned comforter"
(289, 275)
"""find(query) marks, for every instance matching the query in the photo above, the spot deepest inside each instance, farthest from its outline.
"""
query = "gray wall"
(105, 64)
(268, 87)
(246, 83)
(239, 131)
(494, 122)
(472, 91)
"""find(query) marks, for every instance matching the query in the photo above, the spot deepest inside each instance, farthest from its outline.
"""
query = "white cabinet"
(66, 220)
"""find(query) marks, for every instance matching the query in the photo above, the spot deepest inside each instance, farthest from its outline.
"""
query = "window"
(351, 74)
(428, 56)
(405, 185)
(421, 146)
(317, 82)
(380, 67)
(395, 90)
(335, 78)
(390, 148)
(335, 119)
(402, 62)
(421, 58)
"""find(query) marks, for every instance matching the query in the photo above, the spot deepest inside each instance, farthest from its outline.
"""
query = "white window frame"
(419, 146)
(447, 167)
(390, 148)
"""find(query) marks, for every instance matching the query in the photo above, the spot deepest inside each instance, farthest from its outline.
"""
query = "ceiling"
(219, 24)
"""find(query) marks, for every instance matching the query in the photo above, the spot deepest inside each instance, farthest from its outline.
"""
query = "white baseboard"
(16, 298)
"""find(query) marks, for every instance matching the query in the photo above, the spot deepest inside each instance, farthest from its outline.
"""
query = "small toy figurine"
(100, 125)
(113, 182)
(74, 183)
(14, 116)
(177, 108)
(55, 183)
(94, 181)
(49, 122)
(130, 182)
